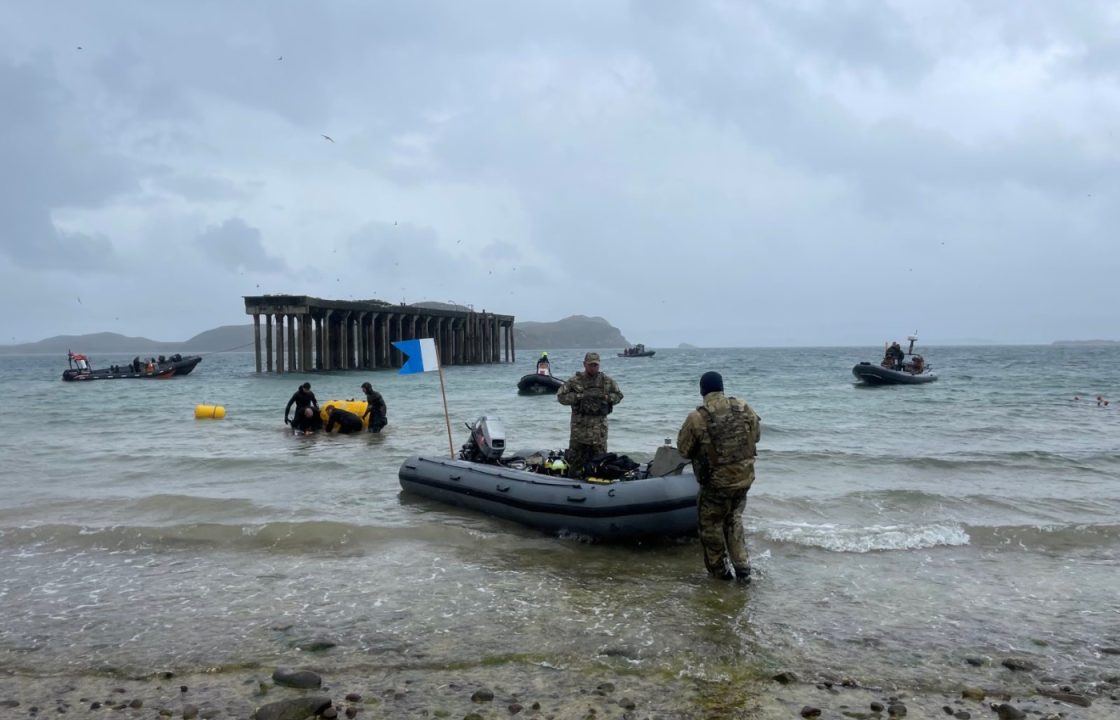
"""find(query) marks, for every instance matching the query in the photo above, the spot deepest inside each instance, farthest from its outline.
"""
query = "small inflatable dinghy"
(648, 506)
(538, 384)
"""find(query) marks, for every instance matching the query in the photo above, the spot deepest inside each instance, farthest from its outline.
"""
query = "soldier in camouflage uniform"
(592, 396)
(720, 437)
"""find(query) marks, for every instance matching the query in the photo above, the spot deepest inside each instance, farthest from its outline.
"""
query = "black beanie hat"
(711, 381)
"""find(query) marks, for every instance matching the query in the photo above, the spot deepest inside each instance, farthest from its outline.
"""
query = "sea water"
(894, 531)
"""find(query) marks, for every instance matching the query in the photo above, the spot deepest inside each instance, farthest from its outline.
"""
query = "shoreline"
(521, 690)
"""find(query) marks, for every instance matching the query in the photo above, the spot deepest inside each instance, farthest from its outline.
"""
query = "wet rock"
(472, 716)
(514, 708)
(293, 709)
(976, 661)
(896, 709)
(785, 678)
(183, 688)
(605, 688)
(330, 713)
(12, 703)
(810, 712)
(1019, 664)
(136, 703)
(849, 683)
(282, 627)
(856, 715)
(535, 706)
(1109, 650)
(877, 707)
(1065, 696)
(120, 691)
(482, 695)
(190, 712)
(353, 697)
(299, 679)
(351, 712)
(973, 693)
(1006, 711)
(95, 706)
(317, 644)
(946, 709)
(962, 715)
(165, 712)
(627, 704)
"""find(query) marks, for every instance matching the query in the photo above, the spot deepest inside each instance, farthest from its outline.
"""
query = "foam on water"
(867, 539)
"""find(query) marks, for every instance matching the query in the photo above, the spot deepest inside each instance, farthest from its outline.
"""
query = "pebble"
(472, 716)
(293, 709)
(896, 709)
(330, 713)
(810, 712)
(1019, 664)
(189, 712)
(299, 679)
(962, 715)
(183, 688)
(9, 703)
(514, 708)
(877, 706)
(351, 712)
(482, 695)
(973, 693)
(975, 661)
(1066, 697)
(95, 706)
(946, 709)
(1009, 712)
(535, 706)
(785, 678)
(605, 688)
(353, 697)
(136, 703)
(627, 703)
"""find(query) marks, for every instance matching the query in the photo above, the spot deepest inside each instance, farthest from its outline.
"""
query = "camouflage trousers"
(579, 454)
(721, 529)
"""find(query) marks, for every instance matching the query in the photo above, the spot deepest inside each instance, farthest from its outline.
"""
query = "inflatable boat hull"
(162, 371)
(534, 384)
(652, 507)
(870, 374)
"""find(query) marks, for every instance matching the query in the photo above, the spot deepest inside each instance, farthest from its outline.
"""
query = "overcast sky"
(720, 173)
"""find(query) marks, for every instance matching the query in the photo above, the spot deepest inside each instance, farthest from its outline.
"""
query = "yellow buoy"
(358, 407)
(209, 412)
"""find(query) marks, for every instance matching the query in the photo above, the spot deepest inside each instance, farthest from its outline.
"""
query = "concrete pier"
(318, 334)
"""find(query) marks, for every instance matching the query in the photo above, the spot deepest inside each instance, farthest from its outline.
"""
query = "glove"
(287, 421)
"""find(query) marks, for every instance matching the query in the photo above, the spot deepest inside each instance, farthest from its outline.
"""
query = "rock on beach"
(293, 709)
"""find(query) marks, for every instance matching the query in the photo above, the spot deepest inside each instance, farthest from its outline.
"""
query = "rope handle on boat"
(577, 499)
(499, 488)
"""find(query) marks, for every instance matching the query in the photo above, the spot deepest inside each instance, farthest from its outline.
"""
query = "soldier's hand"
(287, 421)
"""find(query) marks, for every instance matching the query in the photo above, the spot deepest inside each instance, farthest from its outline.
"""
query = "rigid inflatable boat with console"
(660, 500)
(910, 370)
(80, 369)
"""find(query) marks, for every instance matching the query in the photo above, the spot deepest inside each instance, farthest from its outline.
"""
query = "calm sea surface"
(895, 531)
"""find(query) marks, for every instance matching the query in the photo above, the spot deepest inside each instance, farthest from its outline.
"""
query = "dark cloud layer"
(763, 173)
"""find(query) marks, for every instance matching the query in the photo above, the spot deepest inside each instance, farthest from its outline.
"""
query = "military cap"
(591, 357)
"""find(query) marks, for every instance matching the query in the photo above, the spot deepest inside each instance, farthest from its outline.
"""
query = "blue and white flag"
(421, 355)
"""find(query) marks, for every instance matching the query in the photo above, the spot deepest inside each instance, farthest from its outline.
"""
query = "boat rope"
(218, 352)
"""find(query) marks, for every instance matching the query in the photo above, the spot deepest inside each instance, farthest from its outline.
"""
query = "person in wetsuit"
(376, 410)
(346, 421)
(302, 398)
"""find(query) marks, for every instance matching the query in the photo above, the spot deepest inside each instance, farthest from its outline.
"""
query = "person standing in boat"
(544, 367)
(376, 410)
(895, 356)
(721, 437)
(592, 396)
(302, 398)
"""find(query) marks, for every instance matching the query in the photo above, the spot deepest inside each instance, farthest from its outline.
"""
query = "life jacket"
(729, 436)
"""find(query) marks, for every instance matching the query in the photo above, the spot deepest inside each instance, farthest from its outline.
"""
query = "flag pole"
(446, 414)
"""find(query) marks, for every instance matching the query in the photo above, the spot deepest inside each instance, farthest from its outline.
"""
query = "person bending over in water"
(302, 398)
(346, 421)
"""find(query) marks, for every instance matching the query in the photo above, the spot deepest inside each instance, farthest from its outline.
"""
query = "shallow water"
(895, 530)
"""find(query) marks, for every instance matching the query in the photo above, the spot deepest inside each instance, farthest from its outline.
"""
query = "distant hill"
(687, 346)
(577, 331)
(435, 305)
(222, 338)
(1086, 343)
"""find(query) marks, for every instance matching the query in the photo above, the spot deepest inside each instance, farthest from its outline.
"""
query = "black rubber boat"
(80, 369)
(537, 384)
(870, 374)
(909, 368)
(638, 350)
(649, 506)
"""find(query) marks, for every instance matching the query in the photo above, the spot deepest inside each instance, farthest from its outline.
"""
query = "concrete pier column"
(257, 339)
(305, 342)
(372, 341)
(268, 342)
(293, 351)
(328, 336)
(512, 344)
(279, 343)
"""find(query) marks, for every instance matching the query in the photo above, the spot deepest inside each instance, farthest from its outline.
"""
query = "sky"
(717, 173)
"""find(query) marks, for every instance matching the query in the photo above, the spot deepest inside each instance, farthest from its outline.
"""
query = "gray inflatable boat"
(649, 506)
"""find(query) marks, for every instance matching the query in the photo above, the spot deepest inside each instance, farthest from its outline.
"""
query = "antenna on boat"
(913, 339)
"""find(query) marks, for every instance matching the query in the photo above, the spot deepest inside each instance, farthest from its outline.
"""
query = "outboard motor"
(487, 443)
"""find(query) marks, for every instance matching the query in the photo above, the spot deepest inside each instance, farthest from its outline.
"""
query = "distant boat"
(153, 369)
(910, 370)
(638, 350)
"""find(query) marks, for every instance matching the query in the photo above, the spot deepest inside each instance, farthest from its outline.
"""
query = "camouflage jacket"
(591, 399)
(694, 442)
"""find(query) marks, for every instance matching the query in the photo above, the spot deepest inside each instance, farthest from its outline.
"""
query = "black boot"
(743, 575)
